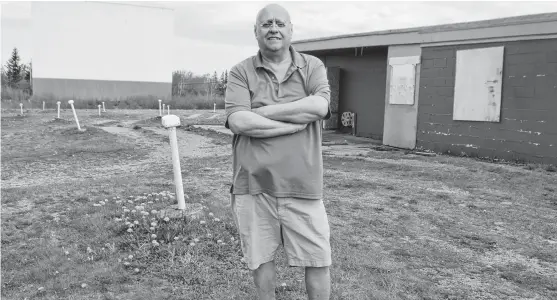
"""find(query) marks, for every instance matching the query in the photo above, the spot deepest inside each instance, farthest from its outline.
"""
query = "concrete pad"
(193, 116)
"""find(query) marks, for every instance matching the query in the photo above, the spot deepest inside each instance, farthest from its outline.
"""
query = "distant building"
(101, 50)
(486, 88)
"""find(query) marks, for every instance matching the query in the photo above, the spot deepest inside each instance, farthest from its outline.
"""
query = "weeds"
(140, 102)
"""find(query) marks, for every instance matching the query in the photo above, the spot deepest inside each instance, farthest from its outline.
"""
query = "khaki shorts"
(301, 226)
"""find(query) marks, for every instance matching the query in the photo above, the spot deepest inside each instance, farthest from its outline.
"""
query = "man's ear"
(255, 30)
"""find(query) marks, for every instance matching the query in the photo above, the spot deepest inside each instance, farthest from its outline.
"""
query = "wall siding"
(362, 89)
(528, 127)
(86, 89)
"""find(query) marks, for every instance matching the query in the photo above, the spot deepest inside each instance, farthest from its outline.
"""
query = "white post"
(104, 110)
(214, 107)
(74, 114)
(168, 106)
(162, 107)
(21, 108)
(58, 103)
(43, 105)
(171, 122)
(100, 109)
(160, 111)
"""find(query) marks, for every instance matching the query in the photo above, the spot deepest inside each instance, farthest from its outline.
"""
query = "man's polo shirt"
(283, 166)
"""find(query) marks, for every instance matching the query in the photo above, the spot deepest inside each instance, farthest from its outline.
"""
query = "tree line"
(186, 83)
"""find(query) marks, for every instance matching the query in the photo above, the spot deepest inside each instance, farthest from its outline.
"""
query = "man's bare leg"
(318, 283)
(265, 278)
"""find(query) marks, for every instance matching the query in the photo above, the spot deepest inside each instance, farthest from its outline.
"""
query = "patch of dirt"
(191, 145)
(106, 123)
(58, 121)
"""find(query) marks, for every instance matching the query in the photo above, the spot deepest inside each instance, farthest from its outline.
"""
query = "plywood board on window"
(478, 84)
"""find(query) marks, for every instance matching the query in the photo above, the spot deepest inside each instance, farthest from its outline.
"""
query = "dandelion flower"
(153, 211)
(96, 204)
(89, 250)
(130, 201)
(130, 230)
(219, 241)
(154, 236)
(139, 207)
(176, 238)
(201, 222)
(232, 239)
(196, 240)
(128, 223)
(41, 288)
(166, 219)
(153, 224)
(211, 214)
(126, 263)
(130, 256)
(192, 244)
(133, 211)
(126, 210)
(151, 228)
(217, 220)
(67, 252)
(136, 270)
(150, 202)
(136, 222)
(84, 285)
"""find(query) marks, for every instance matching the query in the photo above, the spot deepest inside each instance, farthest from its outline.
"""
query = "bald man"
(276, 102)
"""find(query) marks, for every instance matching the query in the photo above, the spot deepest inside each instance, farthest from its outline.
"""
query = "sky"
(213, 36)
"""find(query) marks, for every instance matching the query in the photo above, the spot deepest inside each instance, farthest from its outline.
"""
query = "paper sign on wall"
(402, 80)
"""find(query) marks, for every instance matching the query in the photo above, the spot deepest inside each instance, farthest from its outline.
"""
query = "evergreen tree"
(29, 72)
(13, 69)
(4, 77)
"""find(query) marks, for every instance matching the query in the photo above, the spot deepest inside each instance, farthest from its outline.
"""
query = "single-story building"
(486, 88)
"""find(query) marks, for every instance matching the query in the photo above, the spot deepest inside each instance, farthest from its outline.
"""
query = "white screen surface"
(102, 41)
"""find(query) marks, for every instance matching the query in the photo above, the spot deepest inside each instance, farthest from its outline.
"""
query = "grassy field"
(79, 218)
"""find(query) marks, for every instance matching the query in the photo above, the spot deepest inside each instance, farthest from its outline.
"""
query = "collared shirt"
(283, 166)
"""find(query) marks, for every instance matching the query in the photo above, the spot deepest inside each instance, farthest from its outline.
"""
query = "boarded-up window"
(478, 82)
(402, 83)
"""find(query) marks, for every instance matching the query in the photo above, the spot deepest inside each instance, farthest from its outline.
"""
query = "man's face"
(273, 31)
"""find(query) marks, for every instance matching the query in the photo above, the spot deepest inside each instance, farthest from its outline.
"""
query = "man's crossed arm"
(279, 119)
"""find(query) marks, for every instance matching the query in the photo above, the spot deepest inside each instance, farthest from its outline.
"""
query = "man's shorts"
(301, 226)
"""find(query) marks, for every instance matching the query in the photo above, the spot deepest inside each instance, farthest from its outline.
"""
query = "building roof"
(409, 34)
